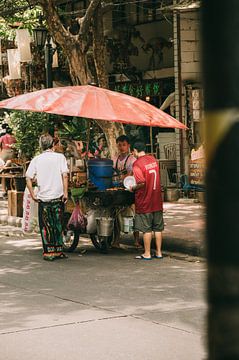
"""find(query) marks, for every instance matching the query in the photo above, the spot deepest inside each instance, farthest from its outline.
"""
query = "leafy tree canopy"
(17, 14)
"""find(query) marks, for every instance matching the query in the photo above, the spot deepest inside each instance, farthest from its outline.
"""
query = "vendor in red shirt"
(148, 200)
(7, 142)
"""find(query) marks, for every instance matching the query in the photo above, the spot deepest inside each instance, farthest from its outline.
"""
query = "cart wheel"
(70, 237)
(101, 243)
(70, 240)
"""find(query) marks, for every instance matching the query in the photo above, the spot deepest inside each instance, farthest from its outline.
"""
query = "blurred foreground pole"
(220, 34)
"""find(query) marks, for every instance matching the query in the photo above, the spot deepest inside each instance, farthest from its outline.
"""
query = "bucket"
(104, 226)
(128, 224)
(100, 173)
(171, 194)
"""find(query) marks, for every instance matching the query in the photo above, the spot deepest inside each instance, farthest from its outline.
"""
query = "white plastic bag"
(30, 212)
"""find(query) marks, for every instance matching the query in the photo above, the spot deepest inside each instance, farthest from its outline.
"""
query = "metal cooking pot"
(105, 226)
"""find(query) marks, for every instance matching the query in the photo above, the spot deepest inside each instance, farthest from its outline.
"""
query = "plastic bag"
(30, 212)
(77, 220)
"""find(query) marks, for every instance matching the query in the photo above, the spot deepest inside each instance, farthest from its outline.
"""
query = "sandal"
(62, 256)
(158, 257)
(141, 257)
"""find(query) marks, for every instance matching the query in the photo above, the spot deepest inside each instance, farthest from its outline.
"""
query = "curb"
(184, 246)
(11, 220)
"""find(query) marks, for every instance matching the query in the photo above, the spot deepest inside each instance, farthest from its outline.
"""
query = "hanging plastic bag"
(77, 220)
(30, 212)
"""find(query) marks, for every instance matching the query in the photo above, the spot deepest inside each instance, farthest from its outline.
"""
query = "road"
(98, 306)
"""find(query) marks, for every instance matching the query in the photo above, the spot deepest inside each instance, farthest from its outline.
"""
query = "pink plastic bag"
(77, 220)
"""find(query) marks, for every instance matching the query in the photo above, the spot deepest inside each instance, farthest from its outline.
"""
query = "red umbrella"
(95, 103)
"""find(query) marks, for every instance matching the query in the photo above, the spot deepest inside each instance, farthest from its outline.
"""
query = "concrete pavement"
(98, 306)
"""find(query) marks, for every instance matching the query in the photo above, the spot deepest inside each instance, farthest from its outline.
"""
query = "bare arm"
(65, 187)
(30, 188)
(137, 187)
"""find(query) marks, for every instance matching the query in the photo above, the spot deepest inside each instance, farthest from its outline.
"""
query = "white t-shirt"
(48, 168)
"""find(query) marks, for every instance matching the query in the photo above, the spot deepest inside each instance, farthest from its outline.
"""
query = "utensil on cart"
(129, 181)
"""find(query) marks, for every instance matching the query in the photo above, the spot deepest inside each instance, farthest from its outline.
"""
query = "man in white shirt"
(51, 173)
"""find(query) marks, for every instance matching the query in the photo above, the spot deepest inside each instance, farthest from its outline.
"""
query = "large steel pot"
(104, 226)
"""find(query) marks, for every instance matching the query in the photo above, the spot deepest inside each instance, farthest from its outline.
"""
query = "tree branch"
(54, 23)
(13, 11)
(84, 22)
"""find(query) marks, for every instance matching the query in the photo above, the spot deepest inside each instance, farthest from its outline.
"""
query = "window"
(149, 11)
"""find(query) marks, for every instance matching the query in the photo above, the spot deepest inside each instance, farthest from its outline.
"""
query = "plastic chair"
(185, 187)
(170, 151)
(188, 188)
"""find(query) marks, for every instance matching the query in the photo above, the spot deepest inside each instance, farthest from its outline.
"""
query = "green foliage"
(27, 127)
(75, 129)
(17, 12)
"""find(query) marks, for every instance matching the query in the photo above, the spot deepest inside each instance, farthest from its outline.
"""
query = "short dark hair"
(122, 138)
(139, 145)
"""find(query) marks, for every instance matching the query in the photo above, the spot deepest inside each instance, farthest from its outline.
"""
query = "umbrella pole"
(88, 139)
(151, 140)
(1, 75)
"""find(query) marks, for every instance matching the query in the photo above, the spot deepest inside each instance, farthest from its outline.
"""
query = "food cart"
(101, 203)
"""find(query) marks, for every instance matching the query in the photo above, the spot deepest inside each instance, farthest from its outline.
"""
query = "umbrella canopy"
(95, 103)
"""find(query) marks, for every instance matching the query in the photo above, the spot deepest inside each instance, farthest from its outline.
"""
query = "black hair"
(8, 130)
(139, 145)
(122, 138)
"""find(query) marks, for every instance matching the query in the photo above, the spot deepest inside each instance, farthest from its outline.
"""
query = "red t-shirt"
(6, 141)
(147, 199)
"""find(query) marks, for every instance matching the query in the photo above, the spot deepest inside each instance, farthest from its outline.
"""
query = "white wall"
(190, 46)
(190, 71)
(149, 31)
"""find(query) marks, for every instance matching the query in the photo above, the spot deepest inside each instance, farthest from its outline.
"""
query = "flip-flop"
(158, 257)
(141, 257)
(62, 256)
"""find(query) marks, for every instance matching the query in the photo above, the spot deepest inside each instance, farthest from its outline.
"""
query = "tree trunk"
(111, 130)
(74, 48)
(99, 49)
(79, 71)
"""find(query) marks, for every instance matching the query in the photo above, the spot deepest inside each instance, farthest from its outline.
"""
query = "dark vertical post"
(182, 168)
(48, 62)
(220, 34)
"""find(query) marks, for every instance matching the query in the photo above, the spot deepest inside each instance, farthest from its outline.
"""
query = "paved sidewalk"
(184, 227)
(96, 306)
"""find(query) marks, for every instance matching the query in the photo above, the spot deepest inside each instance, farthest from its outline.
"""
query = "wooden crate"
(15, 203)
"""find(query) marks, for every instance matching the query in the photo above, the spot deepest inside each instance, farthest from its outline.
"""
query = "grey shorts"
(149, 222)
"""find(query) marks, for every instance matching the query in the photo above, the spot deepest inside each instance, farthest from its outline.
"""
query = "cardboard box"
(15, 203)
